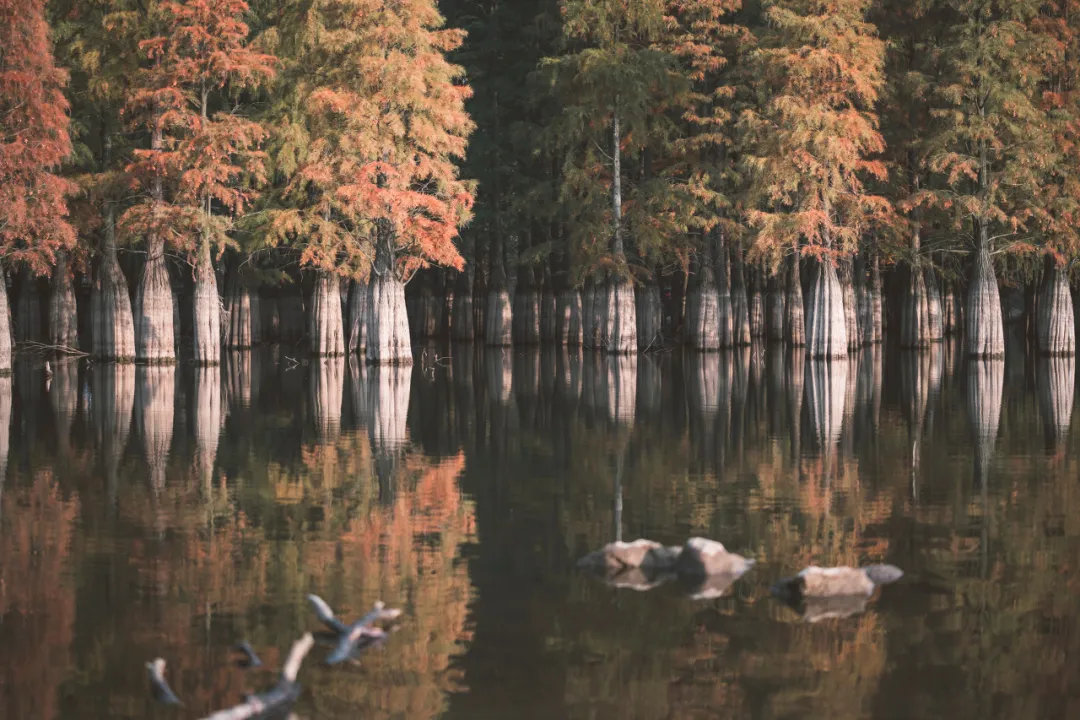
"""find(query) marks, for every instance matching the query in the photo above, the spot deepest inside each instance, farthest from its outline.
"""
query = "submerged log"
(159, 686)
(359, 297)
(6, 360)
(568, 320)
(794, 319)
(826, 332)
(985, 333)
(155, 340)
(207, 312)
(1056, 377)
(63, 313)
(1056, 318)
(278, 699)
(326, 329)
(650, 316)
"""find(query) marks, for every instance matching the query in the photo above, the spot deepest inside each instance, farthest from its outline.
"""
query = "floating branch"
(326, 615)
(162, 692)
(360, 633)
(278, 698)
(250, 659)
(30, 347)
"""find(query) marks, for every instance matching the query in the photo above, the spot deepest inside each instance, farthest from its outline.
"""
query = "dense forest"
(179, 176)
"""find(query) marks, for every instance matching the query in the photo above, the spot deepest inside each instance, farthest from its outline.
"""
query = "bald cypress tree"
(810, 147)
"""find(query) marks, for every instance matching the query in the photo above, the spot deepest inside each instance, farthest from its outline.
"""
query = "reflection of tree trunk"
(621, 385)
(242, 368)
(112, 388)
(794, 380)
(526, 384)
(703, 400)
(986, 379)
(868, 392)
(1057, 384)
(207, 419)
(389, 397)
(155, 387)
(915, 389)
(64, 398)
(826, 394)
(326, 329)
(327, 385)
(63, 313)
(650, 387)
(569, 371)
(499, 370)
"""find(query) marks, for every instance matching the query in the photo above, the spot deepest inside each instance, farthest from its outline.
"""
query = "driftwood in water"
(164, 694)
(63, 313)
(350, 637)
(250, 659)
(1055, 317)
(277, 699)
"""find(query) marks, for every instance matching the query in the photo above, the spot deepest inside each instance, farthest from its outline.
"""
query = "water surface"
(172, 512)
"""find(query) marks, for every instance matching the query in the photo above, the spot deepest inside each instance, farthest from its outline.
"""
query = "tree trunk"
(776, 307)
(650, 316)
(28, 325)
(723, 297)
(63, 313)
(826, 330)
(207, 314)
(934, 314)
(245, 313)
(462, 313)
(154, 333)
(326, 330)
(387, 325)
(269, 316)
(112, 325)
(548, 311)
(499, 314)
(757, 305)
(291, 313)
(526, 311)
(851, 313)
(620, 333)
(863, 303)
(985, 333)
(876, 330)
(425, 315)
(794, 320)
(740, 305)
(1056, 329)
(359, 296)
(568, 321)
(914, 312)
(702, 311)
(590, 323)
(6, 360)
(951, 311)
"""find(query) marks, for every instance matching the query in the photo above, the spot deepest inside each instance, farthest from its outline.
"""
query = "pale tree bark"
(63, 313)
(1056, 376)
(326, 330)
(568, 320)
(826, 330)
(740, 304)
(5, 414)
(934, 313)
(1056, 319)
(6, 359)
(863, 303)
(245, 312)
(112, 325)
(207, 421)
(914, 312)
(499, 315)
(155, 340)
(985, 333)
(388, 340)
(155, 392)
(851, 312)
(951, 311)
(620, 311)
(359, 297)
(794, 319)
(207, 310)
(592, 312)
(723, 297)
(703, 308)
(876, 329)
(756, 311)
(327, 389)
(776, 306)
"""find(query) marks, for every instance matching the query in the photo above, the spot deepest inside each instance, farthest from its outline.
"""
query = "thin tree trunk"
(703, 308)
(757, 305)
(740, 304)
(1056, 319)
(914, 312)
(326, 330)
(794, 319)
(876, 329)
(499, 315)
(6, 359)
(463, 321)
(207, 311)
(650, 315)
(851, 313)
(359, 296)
(985, 332)
(568, 321)
(934, 313)
(620, 307)
(864, 303)
(777, 308)
(28, 325)
(388, 324)
(723, 296)
(826, 330)
(207, 420)
(548, 310)
(591, 305)
(245, 313)
(63, 313)
(269, 315)
(112, 325)
(526, 311)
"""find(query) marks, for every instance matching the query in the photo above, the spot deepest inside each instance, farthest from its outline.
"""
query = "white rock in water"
(836, 582)
(701, 556)
(638, 554)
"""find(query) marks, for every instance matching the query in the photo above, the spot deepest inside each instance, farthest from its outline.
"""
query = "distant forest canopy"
(613, 174)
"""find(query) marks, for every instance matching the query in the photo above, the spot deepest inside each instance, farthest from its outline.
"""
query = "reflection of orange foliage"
(37, 599)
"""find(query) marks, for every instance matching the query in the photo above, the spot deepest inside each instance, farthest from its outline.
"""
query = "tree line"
(615, 174)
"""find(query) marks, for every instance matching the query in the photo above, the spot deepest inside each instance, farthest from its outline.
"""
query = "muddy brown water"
(173, 512)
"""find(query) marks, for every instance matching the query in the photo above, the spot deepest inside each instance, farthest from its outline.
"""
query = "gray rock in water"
(701, 556)
(638, 554)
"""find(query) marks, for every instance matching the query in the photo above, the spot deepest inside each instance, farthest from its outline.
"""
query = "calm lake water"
(175, 511)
